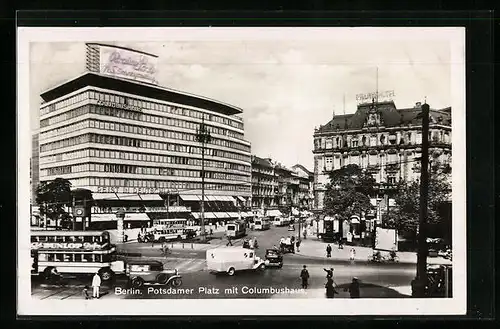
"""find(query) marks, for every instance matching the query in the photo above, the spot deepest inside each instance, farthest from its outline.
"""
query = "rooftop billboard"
(127, 63)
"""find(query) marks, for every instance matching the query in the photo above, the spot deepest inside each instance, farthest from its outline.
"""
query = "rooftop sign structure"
(377, 96)
(122, 62)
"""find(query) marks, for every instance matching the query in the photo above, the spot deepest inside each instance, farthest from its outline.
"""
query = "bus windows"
(97, 258)
(78, 239)
(59, 238)
(88, 239)
(59, 257)
(78, 257)
(87, 258)
(51, 239)
(68, 257)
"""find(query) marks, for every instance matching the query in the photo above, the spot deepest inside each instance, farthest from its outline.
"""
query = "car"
(291, 227)
(142, 272)
(274, 257)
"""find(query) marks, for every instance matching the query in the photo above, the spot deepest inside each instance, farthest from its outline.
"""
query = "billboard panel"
(386, 239)
(128, 64)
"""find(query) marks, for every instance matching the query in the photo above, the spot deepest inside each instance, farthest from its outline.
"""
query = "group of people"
(250, 243)
(330, 284)
(289, 244)
(352, 252)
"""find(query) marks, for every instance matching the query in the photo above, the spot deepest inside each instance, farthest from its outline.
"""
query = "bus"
(281, 221)
(261, 224)
(236, 229)
(163, 233)
(74, 253)
(172, 222)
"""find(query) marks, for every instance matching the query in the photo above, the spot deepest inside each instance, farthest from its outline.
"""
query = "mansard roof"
(389, 114)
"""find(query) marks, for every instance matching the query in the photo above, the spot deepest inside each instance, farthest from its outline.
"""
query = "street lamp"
(203, 136)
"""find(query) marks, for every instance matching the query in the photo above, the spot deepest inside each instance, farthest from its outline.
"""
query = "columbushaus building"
(114, 131)
(382, 139)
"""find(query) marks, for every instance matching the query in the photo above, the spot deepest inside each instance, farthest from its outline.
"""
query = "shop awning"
(221, 215)
(132, 197)
(189, 198)
(137, 217)
(274, 213)
(354, 220)
(234, 214)
(208, 215)
(103, 217)
(104, 196)
(240, 198)
(247, 214)
(150, 197)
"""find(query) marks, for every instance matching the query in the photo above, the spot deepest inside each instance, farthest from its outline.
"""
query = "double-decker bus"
(74, 252)
(236, 229)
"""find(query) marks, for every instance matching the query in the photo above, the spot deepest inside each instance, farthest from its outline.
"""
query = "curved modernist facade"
(113, 135)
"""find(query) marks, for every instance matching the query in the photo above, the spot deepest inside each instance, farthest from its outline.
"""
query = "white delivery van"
(232, 259)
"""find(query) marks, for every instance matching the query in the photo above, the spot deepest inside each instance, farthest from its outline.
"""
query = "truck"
(231, 259)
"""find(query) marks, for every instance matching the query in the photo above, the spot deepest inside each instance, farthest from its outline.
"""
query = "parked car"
(142, 272)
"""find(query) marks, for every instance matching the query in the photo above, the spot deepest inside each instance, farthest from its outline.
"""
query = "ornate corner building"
(382, 139)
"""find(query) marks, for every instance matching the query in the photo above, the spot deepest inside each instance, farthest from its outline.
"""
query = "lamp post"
(420, 282)
(203, 136)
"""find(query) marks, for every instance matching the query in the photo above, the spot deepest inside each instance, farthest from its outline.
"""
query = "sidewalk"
(366, 291)
(313, 247)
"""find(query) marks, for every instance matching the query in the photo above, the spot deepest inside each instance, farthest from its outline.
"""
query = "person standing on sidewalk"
(229, 243)
(298, 245)
(341, 243)
(96, 284)
(352, 254)
(354, 288)
(328, 251)
(304, 275)
(330, 288)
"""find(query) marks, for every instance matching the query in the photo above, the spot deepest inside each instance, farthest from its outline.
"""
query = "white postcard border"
(452, 306)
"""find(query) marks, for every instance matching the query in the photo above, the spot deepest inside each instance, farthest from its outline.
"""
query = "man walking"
(96, 284)
(298, 245)
(328, 251)
(229, 243)
(304, 275)
(354, 288)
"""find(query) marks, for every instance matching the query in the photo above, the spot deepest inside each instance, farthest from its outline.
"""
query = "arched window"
(382, 139)
(363, 141)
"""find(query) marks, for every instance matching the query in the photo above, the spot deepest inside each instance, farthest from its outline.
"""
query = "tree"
(52, 197)
(405, 216)
(348, 192)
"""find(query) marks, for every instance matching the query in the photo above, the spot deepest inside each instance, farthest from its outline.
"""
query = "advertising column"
(120, 215)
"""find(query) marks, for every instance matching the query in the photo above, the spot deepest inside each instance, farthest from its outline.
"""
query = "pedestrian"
(328, 251)
(96, 284)
(282, 244)
(152, 238)
(255, 243)
(352, 254)
(354, 288)
(329, 273)
(85, 292)
(229, 243)
(304, 275)
(341, 243)
(298, 245)
(330, 288)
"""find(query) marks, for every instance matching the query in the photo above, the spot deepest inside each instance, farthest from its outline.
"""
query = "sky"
(286, 88)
